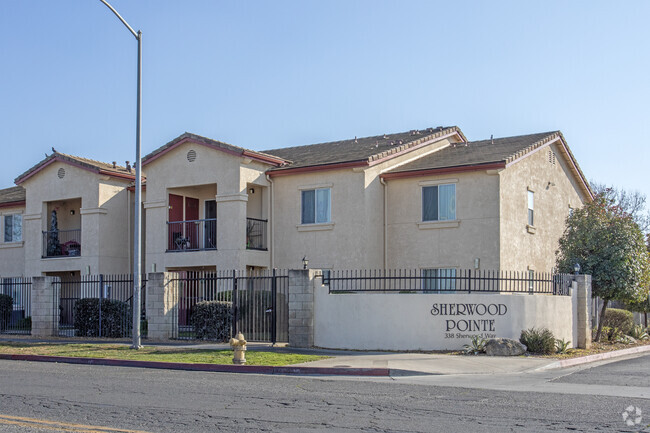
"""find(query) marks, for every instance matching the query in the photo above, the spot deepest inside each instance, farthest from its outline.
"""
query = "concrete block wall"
(162, 305)
(583, 316)
(45, 307)
(301, 307)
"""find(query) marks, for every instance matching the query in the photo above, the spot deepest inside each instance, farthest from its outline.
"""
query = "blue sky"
(261, 74)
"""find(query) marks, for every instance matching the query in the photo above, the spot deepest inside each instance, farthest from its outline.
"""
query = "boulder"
(504, 347)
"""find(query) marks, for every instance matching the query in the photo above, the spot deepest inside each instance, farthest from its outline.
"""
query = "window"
(13, 228)
(439, 202)
(315, 206)
(531, 279)
(439, 280)
(531, 206)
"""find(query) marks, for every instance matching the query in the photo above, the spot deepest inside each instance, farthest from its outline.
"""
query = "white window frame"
(13, 225)
(438, 216)
(531, 207)
(328, 218)
(443, 279)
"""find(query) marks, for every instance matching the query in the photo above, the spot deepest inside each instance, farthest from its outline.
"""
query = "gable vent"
(551, 157)
(191, 155)
(61, 173)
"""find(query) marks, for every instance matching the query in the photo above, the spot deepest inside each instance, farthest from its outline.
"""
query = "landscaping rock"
(504, 347)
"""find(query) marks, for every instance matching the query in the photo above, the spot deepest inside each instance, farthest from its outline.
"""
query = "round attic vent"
(191, 155)
(61, 173)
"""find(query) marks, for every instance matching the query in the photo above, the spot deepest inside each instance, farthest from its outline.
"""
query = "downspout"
(128, 221)
(272, 221)
(383, 182)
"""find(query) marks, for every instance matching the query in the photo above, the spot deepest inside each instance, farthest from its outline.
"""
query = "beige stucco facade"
(94, 204)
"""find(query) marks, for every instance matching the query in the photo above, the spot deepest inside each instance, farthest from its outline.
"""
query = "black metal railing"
(257, 301)
(97, 306)
(256, 234)
(16, 305)
(192, 235)
(57, 243)
(448, 281)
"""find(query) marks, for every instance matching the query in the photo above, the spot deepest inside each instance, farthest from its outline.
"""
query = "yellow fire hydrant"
(238, 345)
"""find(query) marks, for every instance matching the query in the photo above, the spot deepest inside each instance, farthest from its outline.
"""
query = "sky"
(262, 75)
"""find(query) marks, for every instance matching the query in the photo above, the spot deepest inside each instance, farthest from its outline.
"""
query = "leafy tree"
(631, 202)
(644, 305)
(608, 244)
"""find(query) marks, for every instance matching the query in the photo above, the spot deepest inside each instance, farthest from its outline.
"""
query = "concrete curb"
(593, 358)
(219, 368)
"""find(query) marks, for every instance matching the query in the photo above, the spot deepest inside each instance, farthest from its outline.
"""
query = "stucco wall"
(416, 321)
(103, 219)
(444, 244)
(213, 175)
(12, 254)
(523, 247)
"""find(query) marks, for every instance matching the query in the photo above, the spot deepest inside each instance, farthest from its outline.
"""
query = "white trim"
(33, 216)
(93, 211)
(426, 225)
(437, 182)
(155, 204)
(16, 244)
(315, 186)
(315, 227)
(220, 198)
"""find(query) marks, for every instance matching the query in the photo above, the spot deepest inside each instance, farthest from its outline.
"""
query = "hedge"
(212, 320)
(622, 320)
(116, 318)
(538, 340)
(6, 307)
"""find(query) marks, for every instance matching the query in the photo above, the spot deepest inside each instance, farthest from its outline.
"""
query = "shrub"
(6, 306)
(476, 346)
(212, 320)
(562, 346)
(639, 333)
(116, 318)
(538, 340)
(623, 320)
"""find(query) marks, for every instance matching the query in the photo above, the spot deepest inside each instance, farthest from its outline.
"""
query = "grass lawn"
(147, 353)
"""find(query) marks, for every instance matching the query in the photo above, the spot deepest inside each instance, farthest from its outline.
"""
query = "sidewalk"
(342, 362)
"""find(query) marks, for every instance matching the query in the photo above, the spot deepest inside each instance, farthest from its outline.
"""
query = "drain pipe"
(272, 220)
(383, 182)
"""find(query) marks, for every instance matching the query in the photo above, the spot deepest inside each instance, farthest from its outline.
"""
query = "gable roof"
(14, 196)
(84, 163)
(188, 137)
(487, 154)
(358, 151)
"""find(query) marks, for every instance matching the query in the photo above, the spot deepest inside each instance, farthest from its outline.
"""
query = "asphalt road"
(37, 397)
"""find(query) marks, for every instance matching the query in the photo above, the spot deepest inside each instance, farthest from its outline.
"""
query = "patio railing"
(57, 243)
(193, 235)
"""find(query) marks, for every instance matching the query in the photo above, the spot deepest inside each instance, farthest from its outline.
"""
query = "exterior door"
(175, 227)
(192, 228)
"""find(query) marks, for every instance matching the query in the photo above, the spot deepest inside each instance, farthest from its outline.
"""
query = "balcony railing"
(256, 234)
(194, 235)
(58, 243)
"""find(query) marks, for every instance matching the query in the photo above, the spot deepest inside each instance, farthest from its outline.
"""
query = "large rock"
(504, 347)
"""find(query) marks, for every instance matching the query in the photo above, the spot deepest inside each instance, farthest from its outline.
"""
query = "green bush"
(212, 320)
(6, 307)
(623, 320)
(116, 318)
(538, 340)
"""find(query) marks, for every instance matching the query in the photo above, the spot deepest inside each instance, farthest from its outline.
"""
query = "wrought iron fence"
(257, 302)
(447, 281)
(58, 243)
(97, 306)
(256, 234)
(16, 305)
(192, 235)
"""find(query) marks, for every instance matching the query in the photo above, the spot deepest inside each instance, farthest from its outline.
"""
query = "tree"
(631, 202)
(607, 243)
(644, 305)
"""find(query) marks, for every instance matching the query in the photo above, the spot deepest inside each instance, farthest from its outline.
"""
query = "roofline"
(56, 157)
(546, 142)
(373, 159)
(245, 153)
(13, 204)
(443, 170)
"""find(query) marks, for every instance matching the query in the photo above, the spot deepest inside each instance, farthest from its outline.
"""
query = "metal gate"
(96, 306)
(256, 303)
(15, 305)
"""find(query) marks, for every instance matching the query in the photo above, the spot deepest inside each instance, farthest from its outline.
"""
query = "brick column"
(162, 306)
(583, 299)
(45, 307)
(301, 307)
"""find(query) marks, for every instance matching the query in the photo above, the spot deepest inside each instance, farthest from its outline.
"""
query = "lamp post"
(137, 237)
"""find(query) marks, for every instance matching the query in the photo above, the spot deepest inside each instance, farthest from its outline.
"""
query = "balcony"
(62, 243)
(256, 234)
(192, 235)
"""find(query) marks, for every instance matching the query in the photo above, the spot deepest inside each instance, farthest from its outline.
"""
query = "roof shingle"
(15, 194)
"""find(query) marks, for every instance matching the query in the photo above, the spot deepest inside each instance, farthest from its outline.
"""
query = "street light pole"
(137, 232)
